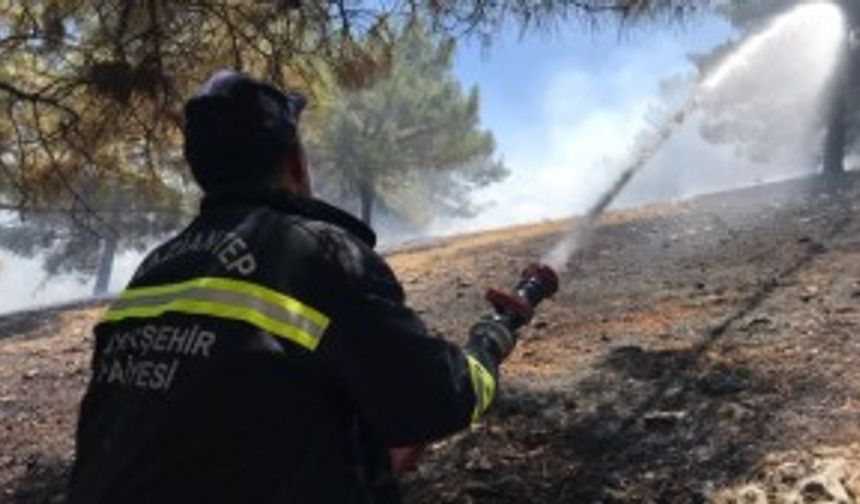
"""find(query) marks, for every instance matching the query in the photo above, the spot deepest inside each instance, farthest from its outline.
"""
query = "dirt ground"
(706, 351)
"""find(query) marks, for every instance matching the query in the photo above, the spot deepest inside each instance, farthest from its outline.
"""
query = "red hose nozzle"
(537, 283)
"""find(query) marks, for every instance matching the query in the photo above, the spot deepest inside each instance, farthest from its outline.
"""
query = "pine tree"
(412, 140)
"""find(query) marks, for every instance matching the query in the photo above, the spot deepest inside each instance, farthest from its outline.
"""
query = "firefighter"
(265, 354)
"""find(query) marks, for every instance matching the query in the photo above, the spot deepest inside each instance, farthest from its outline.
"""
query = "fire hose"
(513, 310)
(497, 331)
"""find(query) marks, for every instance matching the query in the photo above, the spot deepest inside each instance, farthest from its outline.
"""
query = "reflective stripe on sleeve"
(483, 385)
(226, 298)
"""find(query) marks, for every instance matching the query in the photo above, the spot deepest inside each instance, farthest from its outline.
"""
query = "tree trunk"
(103, 276)
(109, 243)
(836, 138)
(834, 144)
(367, 196)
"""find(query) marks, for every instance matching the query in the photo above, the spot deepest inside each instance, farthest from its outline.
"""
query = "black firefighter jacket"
(265, 355)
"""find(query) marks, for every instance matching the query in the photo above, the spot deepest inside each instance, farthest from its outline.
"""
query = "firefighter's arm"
(408, 385)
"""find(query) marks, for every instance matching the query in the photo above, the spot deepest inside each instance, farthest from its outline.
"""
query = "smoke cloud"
(562, 163)
(23, 285)
(773, 90)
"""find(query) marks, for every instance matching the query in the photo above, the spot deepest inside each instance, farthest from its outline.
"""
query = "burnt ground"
(706, 351)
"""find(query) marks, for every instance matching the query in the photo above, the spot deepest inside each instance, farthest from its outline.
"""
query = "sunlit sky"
(564, 108)
(561, 104)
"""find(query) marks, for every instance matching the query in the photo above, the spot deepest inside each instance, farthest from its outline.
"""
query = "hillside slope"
(705, 351)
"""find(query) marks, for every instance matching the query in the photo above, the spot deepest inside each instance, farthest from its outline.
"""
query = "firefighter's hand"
(494, 337)
(405, 459)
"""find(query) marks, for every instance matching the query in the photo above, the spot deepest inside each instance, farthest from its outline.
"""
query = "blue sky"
(567, 108)
(563, 104)
(516, 71)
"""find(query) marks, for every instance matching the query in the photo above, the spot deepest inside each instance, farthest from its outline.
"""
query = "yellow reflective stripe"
(259, 306)
(219, 310)
(225, 298)
(231, 285)
(483, 385)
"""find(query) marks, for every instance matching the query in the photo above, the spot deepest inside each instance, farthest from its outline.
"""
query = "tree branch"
(37, 97)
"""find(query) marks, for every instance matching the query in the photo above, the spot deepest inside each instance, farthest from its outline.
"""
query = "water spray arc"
(823, 16)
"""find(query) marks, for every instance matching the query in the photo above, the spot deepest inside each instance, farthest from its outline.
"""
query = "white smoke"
(24, 286)
(765, 98)
(562, 163)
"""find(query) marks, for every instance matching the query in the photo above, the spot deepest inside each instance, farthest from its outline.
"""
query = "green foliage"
(412, 139)
(752, 13)
(91, 96)
(98, 86)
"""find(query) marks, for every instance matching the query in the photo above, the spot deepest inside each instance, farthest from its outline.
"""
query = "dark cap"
(239, 129)
(271, 103)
